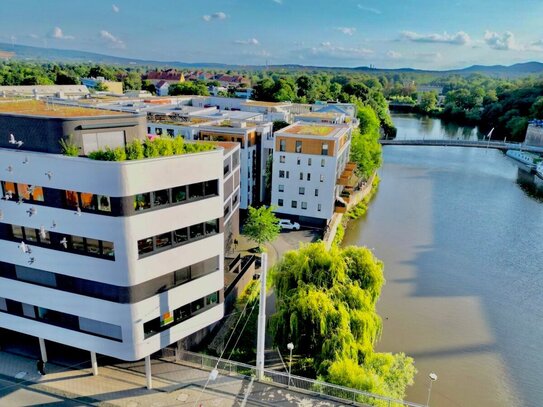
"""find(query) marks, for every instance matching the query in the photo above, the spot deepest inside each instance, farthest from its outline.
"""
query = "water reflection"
(412, 126)
(531, 184)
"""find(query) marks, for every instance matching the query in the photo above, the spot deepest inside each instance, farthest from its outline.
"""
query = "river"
(460, 231)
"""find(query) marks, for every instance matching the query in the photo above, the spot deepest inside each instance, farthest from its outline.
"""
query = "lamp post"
(290, 347)
(433, 378)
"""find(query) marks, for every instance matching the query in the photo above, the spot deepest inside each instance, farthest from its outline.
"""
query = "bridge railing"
(297, 383)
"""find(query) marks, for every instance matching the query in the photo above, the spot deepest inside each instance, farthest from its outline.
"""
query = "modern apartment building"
(117, 258)
(308, 162)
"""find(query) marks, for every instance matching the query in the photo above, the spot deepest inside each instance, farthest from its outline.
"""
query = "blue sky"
(435, 34)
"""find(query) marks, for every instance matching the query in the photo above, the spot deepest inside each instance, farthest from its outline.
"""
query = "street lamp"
(290, 347)
(433, 378)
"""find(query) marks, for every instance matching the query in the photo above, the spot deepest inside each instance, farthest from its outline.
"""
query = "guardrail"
(297, 383)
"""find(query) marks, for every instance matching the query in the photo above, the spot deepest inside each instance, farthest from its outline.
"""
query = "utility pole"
(261, 335)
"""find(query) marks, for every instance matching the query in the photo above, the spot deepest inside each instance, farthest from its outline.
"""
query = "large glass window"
(212, 299)
(196, 190)
(179, 194)
(93, 246)
(282, 145)
(212, 226)
(107, 248)
(163, 240)
(182, 275)
(145, 245)
(88, 201)
(161, 197)
(10, 190)
(142, 201)
(211, 187)
(78, 243)
(31, 235)
(71, 199)
(298, 146)
(17, 232)
(104, 203)
(181, 235)
(197, 305)
(196, 231)
(324, 149)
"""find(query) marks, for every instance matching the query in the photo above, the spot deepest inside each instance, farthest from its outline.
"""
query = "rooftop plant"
(158, 147)
(69, 147)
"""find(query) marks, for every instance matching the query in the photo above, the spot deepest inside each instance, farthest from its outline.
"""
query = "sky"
(424, 34)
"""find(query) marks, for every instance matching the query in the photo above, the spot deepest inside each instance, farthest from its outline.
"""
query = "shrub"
(68, 147)
(151, 149)
(134, 150)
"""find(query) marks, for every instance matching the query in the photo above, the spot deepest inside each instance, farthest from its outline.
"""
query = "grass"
(40, 108)
(311, 130)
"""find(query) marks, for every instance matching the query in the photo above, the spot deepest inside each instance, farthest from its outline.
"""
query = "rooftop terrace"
(40, 108)
(311, 130)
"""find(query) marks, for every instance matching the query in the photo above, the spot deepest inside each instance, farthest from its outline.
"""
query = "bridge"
(499, 145)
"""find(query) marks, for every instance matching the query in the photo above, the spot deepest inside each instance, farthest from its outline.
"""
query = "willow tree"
(326, 306)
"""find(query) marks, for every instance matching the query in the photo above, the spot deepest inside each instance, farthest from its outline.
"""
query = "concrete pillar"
(148, 378)
(43, 351)
(94, 364)
(261, 332)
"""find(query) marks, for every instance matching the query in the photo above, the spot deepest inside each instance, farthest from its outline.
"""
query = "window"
(164, 240)
(308, 176)
(281, 188)
(301, 191)
(196, 231)
(319, 207)
(31, 235)
(17, 232)
(93, 246)
(181, 235)
(282, 159)
(169, 132)
(298, 161)
(197, 305)
(158, 131)
(196, 190)
(78, 243)
(301, 176)
(179, 194)
(142, 201)
(212, 299)
(279, 202)
(212, 227)
(282, 145)
(182, 275)
(304, 205)
(161, 197)
(88, 201)
(323, 161)
(211, 188)
(107, 249)
(145, 245)
(71, 199)
(324, 149)
(9, 189)
(322, 178)
(30, 193)
(281, 174)
(294, 204)
(226, 169)
(316, 192)
(288, 173)
(309, 161)
(298, 146)
(104, 203)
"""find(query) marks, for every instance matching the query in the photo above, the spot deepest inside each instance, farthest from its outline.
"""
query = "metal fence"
(324, 390)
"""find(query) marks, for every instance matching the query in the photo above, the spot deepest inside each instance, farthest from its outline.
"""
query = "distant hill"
(24, 52)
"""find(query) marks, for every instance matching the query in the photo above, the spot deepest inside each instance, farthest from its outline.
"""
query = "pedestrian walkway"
(175, 384)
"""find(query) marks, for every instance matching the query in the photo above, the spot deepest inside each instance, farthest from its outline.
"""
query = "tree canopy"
(262, 225)
(326, 307)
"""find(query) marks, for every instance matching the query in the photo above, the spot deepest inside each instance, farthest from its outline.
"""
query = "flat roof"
(40, 108)
(310, 129)
(266, 104)
(324, 115)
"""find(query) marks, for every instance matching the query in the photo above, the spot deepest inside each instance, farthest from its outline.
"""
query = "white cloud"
(278, 1)
(250, 41)
(58, 34)
(501, 42)
(34, 36)
(328, 50)
(460, 38)
(346, 30)
(370, 9)
(394, 55)
(429, 56)
(115, 8)
(111, 40)
(219, 15)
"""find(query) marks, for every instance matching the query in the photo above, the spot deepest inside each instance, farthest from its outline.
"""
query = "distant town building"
(162, 87)
(169, 75)
(534, 134)
(110, 86)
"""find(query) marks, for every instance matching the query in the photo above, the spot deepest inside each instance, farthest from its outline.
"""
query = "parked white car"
(288, 224)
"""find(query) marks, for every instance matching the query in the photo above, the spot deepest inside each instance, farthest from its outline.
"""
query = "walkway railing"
(464, 143)
(301, 384)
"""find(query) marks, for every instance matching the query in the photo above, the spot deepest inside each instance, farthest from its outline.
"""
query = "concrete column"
(94, 364)
(43, 351)
(148, 378)
(261, 332)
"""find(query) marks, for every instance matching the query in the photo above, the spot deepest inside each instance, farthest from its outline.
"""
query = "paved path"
(175, 384)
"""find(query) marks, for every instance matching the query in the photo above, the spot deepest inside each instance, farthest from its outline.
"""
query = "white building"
(308, 162)
(117, 258)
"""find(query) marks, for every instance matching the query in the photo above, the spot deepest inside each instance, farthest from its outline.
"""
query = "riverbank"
(356, 208)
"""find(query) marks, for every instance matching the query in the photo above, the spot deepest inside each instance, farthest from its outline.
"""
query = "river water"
(460, 231)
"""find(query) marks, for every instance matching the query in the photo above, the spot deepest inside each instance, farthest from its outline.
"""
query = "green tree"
(188, 88)
(262, 225)
(132, 81)
(326, 306)
(428, 101)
